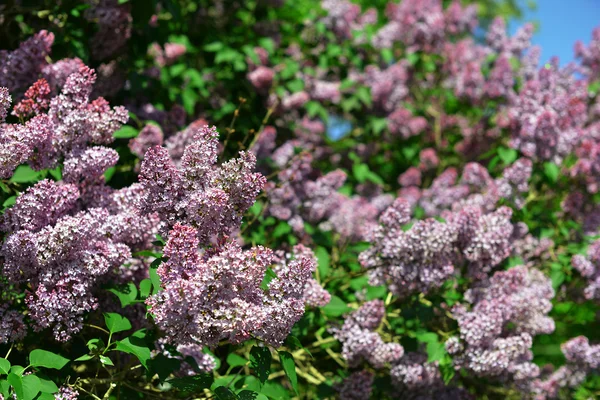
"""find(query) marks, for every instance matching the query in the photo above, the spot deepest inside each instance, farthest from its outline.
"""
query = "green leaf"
(17, 383)
(551, 171)
(213, 47)
(251, 395)
(224, 393)
(84, 357)
(145, 288)
(4, 388)
(235, 361)
(47, 386)
(47, 359)
(4, 366)
(24, 174)
(323, 261)
(336, 307)
(294, 343)
(95, 344)
(287, 361)
(194, 383)
(26, 387)
(116, 322)
(508, 156)
(163, 366)
(136, 345)
(260, 359)
(127, 294)
(106, 361)
(126, 132)
(360, 172)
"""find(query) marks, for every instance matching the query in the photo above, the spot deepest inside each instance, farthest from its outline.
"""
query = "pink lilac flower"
(21, 67)
(201, 294)
(496, 333)
(357, 386)
(150, 136)
(361, 343)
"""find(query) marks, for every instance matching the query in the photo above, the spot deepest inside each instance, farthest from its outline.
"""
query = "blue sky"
(561, 24)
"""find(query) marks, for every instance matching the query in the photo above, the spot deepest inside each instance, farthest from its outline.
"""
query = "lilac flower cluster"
(582, 359)
(114, 22)
(21, 67)
(344, 17)
(548, 114)
(66, 393)
(60, 252)
(590, 56)
(167, 54)
(314, 294)
(217, 295)
(208, 197)
(360, 341)
(589, 268)
(476, 188)
(69, 126)
(416, 378)
(299, 197)
(415, 260)
(496, 333)
(423, 256)
(357, 386)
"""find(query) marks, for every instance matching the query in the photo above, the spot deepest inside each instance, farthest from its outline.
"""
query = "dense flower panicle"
(341, 17)
(325, 91)
(484, 239)
(66, 393)
(361, 342)
(264, 144)
(36, 100)
(413, 373)
(496, 334)
(476, 188)
(548, 114)
(90, 165)
(114, 27)
(460, 19)
(167, 55)
(419, 25)
(177, 143)
(5, 100)
(12, 325)
(150, 136)
(40, 205)
(388, 87)
(61, 254)
(589, 268)
(21, 67)
(71, 124)
(262, 78)
(209, 298)
(295, 100)
(410, 177)
(415, 260)
(590, 56)
(357, 386)
(582, 359)
(162, 183)
(209, 197)
(56, 74)
(20, 143)
(314, 295)
(401, 122)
